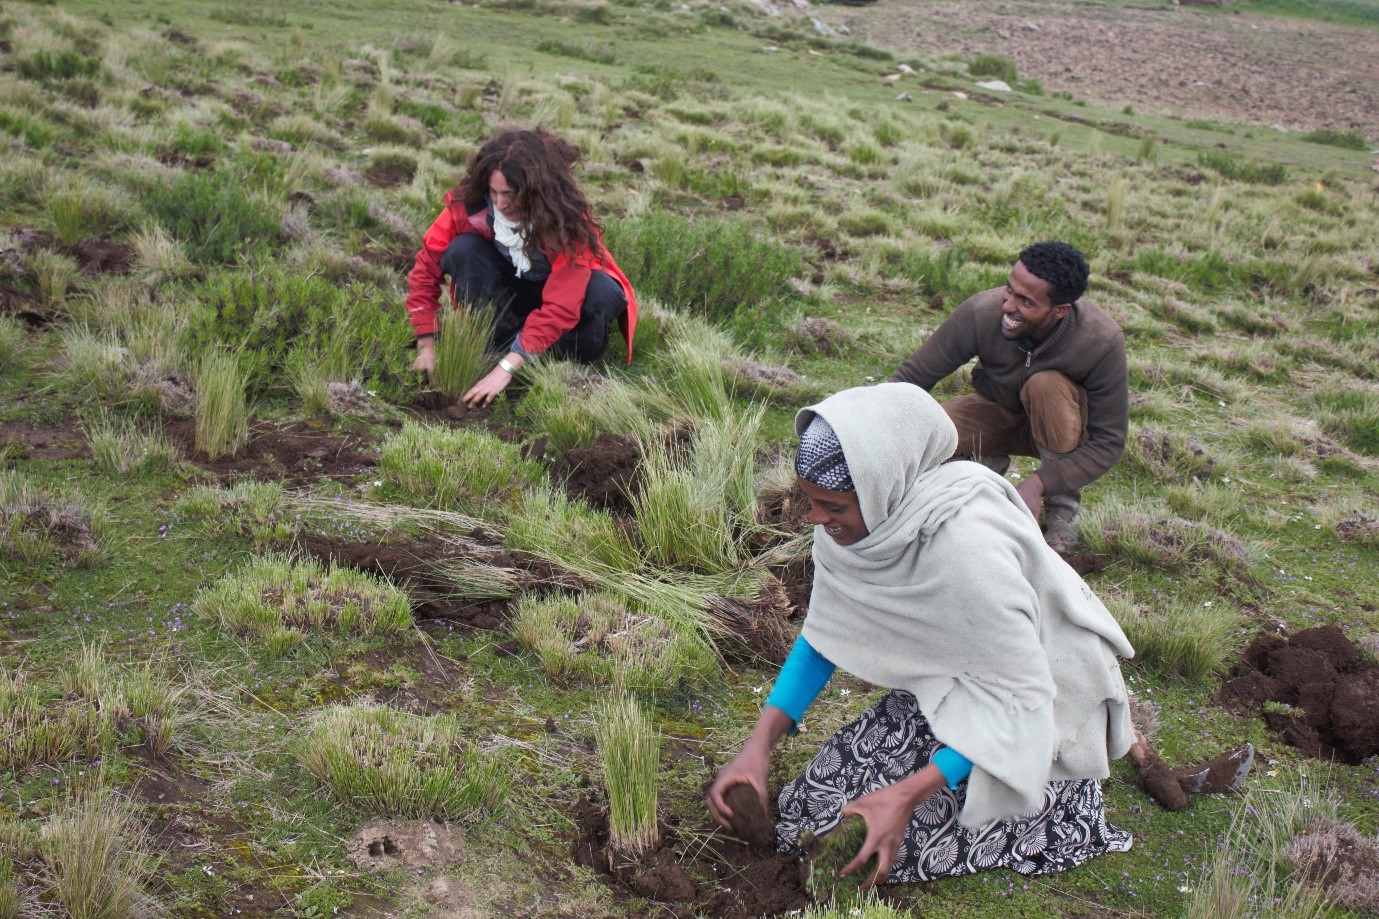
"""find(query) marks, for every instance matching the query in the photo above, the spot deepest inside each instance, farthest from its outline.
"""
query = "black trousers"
(485, 278)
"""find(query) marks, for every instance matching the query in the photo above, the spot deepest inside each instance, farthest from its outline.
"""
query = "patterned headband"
(821, 459)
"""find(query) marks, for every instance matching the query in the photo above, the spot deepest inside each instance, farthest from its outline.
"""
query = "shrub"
(216, 216)
(996, 66)
(629, 746)
(603, 639)
(716, 267)
(222, 408)
(389, 762)
(1232, 167)
(275, 594)
(268, 312)
(1347, 140)
(441, 467)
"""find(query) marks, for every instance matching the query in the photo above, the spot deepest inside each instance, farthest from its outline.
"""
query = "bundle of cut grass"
(601, 638)
(552, 527)
(462, 350)
(275, 596)
(222, 407)
(630, 749)
(385, 761)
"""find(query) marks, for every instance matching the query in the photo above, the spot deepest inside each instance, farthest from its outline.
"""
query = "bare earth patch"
(1170, 60)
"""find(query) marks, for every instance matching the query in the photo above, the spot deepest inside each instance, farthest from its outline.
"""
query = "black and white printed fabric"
(820, 459)
(892, 740)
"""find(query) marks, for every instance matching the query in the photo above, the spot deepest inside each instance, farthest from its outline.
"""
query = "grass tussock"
(275, 597)
(1181, 639)
(446, 468)
(14, 346)
(222, 405)
(1332, 857)
(1158, 539)
(463, 350)
(39, 525)
(551, 526)
(95, 865)
(630, 749)
(41, 730)
(602, 639)
(121, 446)
(258, 510)
(1246, 876)
(384, 761)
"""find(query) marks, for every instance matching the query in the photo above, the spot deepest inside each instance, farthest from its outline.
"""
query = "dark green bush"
(996, 66)
(214, 215)
(1348, 140)
(581, 52)
(265, 312)
(716, 267)
(1231, 167)
(949, 273)
(65, 65)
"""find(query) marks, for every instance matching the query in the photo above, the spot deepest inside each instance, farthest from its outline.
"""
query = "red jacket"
(562, 296)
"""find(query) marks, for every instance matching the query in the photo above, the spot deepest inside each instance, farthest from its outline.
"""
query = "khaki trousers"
(1054, 420)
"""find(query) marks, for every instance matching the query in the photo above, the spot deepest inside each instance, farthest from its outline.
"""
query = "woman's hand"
(426, 356)
(750, 766)
(887, 812)
(747, 768)
(492, 383)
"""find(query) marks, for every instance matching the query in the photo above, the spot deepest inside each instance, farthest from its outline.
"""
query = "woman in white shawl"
(1006, 701)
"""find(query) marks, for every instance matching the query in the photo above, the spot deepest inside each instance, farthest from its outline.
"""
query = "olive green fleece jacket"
(1087, 346)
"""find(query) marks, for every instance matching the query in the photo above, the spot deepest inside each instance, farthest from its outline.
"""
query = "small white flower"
(845, 692)
(871, 379)
(1207, 603)
(1183, 888)
(1271, 773)
(757, 690)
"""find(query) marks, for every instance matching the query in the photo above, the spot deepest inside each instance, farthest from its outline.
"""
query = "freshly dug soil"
(1161, 783)
(294, 454)
(606, 474)
(747, 881)
(1320, 674)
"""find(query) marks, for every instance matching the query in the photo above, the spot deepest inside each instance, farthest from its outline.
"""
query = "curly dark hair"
(537, 164)
(1062, 266)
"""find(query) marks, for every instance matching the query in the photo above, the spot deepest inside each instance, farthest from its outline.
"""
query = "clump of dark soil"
(1331, 693)
(294, 454)
(751, 820)
(389, 173)
(1160, 782)
(722, 878)
(607, 474)
(101, 256)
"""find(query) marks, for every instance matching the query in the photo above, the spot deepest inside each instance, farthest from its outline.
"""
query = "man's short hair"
(1062, 266)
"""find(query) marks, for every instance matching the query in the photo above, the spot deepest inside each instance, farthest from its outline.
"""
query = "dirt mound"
(1330, 696)
(389, 173)
(746, 881)
(607, 474)
(294, 454)
(1331, 855)
(416, 844)
(101, 256)
(751, 821)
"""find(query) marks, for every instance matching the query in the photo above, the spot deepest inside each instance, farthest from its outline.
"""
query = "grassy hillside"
(207, 217)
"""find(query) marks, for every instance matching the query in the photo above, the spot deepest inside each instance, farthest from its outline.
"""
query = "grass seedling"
(629, 747)
(463, 349)
(274, 592)
(222, 408)
(385, 761)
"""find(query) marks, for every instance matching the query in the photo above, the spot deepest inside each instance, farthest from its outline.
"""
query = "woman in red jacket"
(517, 235)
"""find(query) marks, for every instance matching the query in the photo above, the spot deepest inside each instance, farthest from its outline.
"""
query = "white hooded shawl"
(954, 596)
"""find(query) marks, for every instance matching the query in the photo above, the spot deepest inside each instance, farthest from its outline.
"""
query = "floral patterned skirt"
(892, 740)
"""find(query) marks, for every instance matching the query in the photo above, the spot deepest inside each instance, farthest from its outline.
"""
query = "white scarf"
(508, 235)
(954, 596)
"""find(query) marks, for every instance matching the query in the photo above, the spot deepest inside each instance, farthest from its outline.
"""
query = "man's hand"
(492, 383)
(1032, 491)
(887, 812)
(426, 356)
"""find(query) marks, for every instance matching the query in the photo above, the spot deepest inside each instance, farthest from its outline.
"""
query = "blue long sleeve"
(802, 678)
(954, 766)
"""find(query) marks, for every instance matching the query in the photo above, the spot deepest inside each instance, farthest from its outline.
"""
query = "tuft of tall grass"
(548, 524)
(1181, 639)
(39, 729)
(222, 407)
(258, 510)
(463, 349)
(629, 747)
(275, 593)
(120, 446)
(573, 405)
(443, 467)
(94, 864)
(81, 207)
(14, 345)
(56, 276)
(1116, 193)
(1246, 875)
(1157, 539)
(601, 638)
(385, 761)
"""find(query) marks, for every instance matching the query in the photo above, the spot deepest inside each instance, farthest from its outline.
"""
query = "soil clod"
(751, 822)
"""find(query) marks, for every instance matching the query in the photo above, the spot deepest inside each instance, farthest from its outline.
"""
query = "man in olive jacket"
(1050, 381)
